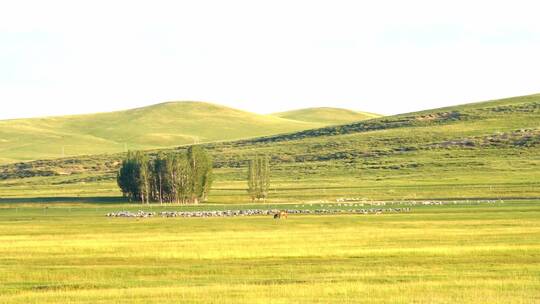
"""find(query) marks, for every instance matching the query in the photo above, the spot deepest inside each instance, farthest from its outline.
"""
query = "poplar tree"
(252, 180)
(126, 178)
(159, 177)
(200, 165)
(258, 178)
(183, 179)
(265, 177)
(143, 176)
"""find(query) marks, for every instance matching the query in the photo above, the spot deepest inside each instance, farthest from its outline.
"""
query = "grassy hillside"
(327, 116)
(481, 150)
(162, 125)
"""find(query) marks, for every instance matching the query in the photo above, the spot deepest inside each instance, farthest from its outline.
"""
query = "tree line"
(182, 177)
(179, 177)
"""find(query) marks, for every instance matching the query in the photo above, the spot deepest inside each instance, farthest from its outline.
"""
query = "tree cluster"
(171, 178)
(258, 178)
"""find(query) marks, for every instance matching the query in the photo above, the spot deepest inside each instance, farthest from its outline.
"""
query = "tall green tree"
(159, 177)
(200, 164)
(185, 181)
(252, 179)
(258, 177)
(143, 176)
(127, 176)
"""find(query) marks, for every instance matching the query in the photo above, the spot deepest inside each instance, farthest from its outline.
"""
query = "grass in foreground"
(436, 254)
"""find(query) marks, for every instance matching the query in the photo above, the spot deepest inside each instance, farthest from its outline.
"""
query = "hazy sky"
(60, 57)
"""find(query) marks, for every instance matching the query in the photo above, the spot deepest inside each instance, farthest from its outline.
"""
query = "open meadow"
(280, 152)
(58, 246)
(456, 253)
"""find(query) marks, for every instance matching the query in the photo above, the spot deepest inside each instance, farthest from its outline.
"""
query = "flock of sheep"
(251, 212)
(342, 202)
(361, 202)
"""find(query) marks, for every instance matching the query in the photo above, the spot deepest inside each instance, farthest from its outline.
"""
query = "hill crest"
(162, 125)
(326, 115)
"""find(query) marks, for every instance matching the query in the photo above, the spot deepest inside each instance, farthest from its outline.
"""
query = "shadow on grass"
(66, 199)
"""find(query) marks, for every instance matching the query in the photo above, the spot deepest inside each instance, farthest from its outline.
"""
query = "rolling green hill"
(162, 125)
(480, 150)
(328, 116)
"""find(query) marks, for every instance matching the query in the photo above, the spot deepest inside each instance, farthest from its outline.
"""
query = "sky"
(388, 57)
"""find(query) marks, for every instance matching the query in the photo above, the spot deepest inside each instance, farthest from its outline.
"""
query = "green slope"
(480, 150)
(162, 125)
(326, 116)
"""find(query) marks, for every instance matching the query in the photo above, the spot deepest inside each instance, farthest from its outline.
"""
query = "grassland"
(162, 125)
(57, 246)
(436, 254)
(482, 150)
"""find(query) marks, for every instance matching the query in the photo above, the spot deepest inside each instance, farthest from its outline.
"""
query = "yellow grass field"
(487, 253)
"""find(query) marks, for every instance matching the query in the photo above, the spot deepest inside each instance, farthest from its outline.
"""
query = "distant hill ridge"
(480, 150)
(161, 125)
(326, 115)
